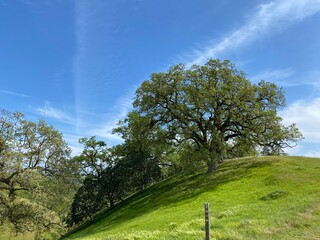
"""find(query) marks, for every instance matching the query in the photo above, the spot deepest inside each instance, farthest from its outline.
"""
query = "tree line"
(181, 118)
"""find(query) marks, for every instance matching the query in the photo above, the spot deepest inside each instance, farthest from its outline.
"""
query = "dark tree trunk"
(212, 167)
(110, 198)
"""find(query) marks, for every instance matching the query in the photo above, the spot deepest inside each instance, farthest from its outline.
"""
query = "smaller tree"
(104, 182)
(143, 150)
(94, 158)
(114, 183)
(87, 201)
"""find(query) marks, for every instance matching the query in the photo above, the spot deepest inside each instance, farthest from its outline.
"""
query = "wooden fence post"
(207, 220)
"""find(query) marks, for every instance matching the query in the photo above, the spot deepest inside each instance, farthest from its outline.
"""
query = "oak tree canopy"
(215, 108)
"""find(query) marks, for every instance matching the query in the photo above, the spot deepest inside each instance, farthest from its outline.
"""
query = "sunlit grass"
(250, 198)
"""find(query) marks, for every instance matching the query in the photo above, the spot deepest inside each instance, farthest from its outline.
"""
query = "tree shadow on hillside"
(181, 188)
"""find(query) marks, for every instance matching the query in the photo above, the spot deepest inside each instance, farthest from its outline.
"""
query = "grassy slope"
(173, 209)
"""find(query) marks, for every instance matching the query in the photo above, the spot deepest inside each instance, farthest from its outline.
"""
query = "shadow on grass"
(180, 188)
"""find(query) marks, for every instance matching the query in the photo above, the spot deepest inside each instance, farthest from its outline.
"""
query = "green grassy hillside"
(250, 198)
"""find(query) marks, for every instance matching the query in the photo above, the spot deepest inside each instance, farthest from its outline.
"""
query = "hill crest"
(250, 198)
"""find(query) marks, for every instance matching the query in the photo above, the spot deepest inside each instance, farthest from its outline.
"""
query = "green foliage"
(34, 163)
(173, 208)
(87, 201)
(114, 182)
(95, 156)
(143, 151)
(104, 181)
(215, 108)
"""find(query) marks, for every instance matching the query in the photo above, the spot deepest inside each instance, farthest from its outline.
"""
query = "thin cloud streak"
(94, 64)
(81, 26)
(268, 18)
(310, 78)
(13, 93)
(273, 75)
(289, 78)
(94, 61)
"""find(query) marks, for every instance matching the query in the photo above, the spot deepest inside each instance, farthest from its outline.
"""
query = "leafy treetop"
(215, 108)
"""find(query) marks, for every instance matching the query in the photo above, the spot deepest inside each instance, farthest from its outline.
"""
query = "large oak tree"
(215, 108)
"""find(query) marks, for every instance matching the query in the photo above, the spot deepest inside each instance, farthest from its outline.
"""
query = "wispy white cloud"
(13, 93)
(47, 110)
(306, 114)
(96, 58)
(82, 10)
(267, 19)
(104, 129)
(309, 78)
(65, 122)
(101, 127)
(288, 77)
(95, 62)
(273, 75)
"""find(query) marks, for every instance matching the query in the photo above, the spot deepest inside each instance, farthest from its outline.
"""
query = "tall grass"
(250, 198)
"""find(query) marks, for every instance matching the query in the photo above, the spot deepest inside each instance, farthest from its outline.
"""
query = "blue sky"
(77, 64)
